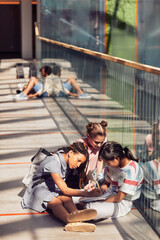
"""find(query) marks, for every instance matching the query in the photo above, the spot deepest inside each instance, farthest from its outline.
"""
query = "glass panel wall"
(148, 32)
(121, 28)
(127, 98)
(81, 23)
(126, 29)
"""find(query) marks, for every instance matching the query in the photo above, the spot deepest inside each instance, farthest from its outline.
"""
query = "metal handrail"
(136, 65)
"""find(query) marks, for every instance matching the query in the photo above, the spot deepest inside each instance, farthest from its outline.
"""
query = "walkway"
(26, 126)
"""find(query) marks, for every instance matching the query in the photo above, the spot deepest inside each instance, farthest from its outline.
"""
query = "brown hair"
(47, 69)
(94, 129)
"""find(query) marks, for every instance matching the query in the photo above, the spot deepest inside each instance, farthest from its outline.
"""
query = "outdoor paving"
(25, 127)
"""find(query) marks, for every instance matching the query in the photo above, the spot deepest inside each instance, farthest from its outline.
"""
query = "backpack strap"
(57, 158)
(43, 151)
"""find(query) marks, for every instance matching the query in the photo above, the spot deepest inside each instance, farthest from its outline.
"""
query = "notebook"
(102, 197)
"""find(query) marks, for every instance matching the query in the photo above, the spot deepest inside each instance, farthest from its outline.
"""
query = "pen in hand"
(92, 185)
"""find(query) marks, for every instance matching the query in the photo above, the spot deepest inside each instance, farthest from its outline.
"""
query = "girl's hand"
(95, 193)
(30, 96)
(33, 95)
(73, 94)
(90, 187)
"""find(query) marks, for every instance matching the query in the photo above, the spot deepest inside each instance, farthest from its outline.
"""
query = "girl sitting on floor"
(48, 189)
(123, 181)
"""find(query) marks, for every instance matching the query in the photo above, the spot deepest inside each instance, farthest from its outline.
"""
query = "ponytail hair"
(111, 150)
(128, 154)
(94, 129)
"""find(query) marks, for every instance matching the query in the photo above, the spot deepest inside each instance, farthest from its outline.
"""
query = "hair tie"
(84, 145)
(71, 146)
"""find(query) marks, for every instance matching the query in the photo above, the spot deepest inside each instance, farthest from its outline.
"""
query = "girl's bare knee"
(54, 203)
(65, 199)
(71, 80)
(34, 79)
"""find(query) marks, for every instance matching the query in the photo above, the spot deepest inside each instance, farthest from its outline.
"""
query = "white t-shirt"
(127, 179)
(57, 86)
(52, 85)
(151, 185)
(47, 85)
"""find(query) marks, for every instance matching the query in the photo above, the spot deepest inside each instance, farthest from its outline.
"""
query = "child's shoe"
(80, 227)
(84, 96)
(21, 97)
(82, 215)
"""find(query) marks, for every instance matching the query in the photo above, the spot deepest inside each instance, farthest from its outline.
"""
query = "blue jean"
(66, 85)
(39, 86)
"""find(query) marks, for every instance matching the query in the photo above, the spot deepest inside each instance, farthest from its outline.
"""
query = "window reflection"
(150, 163)
(80, 23)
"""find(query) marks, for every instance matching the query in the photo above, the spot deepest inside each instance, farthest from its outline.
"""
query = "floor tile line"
(15, 163)
(18, 214)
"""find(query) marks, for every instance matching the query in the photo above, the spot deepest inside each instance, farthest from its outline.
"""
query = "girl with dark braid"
(48, 189)
(123, 180)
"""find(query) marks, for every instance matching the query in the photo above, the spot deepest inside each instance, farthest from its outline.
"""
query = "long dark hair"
(77, 181)
(111, 150)
(78, 147)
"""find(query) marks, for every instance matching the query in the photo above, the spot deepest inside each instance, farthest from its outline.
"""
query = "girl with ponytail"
(48, 189)
(123, 180)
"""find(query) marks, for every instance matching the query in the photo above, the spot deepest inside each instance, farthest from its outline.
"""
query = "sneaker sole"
(82, 215)
(20, 99)
(85, 98)
(80, 227)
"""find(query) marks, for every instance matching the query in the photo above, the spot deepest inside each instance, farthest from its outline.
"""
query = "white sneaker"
(21, 97)
(84, 96)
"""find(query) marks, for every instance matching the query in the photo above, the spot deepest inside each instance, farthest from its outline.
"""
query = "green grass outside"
(121, 28)
(122, 93)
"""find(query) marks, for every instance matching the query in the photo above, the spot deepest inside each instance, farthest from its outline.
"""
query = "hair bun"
(90, 126)
(104, 123)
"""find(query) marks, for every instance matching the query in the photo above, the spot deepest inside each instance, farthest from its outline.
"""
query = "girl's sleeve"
(52, 165)
(131, 182)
